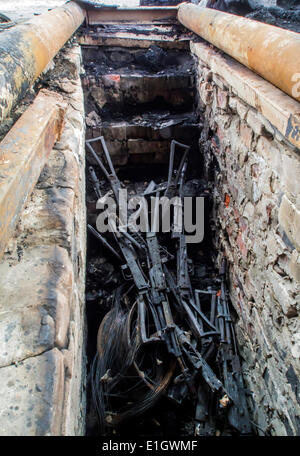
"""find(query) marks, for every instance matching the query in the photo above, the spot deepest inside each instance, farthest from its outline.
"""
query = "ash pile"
(167, 336)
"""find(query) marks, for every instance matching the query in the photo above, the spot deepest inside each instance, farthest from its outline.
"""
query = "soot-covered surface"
(177, 411)
(119, 389)
(103, 276)
(285, 15)
(122, 60)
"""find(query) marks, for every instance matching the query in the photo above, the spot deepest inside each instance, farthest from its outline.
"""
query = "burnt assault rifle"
(125, 241)
(155, 283)
(180, 343)
(183, 290)
(229, 363)
(156, 297)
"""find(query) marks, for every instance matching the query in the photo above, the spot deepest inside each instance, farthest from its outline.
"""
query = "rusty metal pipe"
(26, 49)
(23, 153)
(272, 52)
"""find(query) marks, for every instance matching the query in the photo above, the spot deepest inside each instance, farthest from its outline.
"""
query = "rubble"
(168, 333)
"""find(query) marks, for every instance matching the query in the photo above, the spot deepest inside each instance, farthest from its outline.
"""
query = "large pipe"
(23, 153)
(272, 52)
(26, 49)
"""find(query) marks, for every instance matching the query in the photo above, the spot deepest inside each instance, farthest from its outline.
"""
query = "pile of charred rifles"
(162, 336)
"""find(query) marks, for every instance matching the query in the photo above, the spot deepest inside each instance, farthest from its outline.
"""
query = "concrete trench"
(145, 97)
(139, 92)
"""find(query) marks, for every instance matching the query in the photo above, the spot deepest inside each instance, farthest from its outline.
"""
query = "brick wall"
(254, 164)
(42, 284)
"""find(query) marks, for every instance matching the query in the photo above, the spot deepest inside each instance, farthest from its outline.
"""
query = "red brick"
(111, 80)
(222, 99)
(236, 215)
(241, 245)
(246, 134)
(227, 200)
(243, 224)
(206, 92)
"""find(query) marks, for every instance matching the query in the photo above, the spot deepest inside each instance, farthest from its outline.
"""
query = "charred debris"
(167, 357)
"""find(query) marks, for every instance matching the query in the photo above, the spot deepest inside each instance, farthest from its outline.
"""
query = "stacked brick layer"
(255, 172)
(42, 278)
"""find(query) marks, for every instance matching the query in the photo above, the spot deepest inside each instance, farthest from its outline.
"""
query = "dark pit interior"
(139, 100)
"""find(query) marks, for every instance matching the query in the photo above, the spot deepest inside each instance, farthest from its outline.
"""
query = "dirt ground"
(22, 9)
(18, 10)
